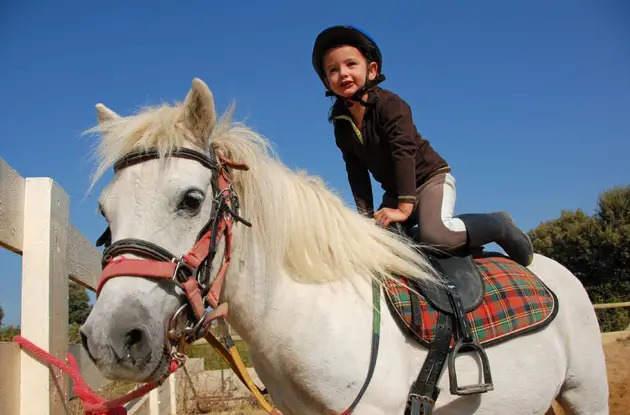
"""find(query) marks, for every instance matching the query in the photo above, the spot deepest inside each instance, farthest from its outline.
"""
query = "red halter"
(185, 270)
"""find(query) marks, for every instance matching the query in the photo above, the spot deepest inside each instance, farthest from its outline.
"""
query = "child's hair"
(337, 101)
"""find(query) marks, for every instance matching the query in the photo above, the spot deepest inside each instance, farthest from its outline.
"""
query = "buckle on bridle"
(183, 271)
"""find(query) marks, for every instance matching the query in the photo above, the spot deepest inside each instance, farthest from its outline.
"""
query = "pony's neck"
(303, 238)
(248, 289)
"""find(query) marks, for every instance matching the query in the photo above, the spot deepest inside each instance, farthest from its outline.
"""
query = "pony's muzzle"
(125, 340)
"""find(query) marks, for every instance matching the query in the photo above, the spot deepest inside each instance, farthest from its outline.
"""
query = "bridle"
(192, 270)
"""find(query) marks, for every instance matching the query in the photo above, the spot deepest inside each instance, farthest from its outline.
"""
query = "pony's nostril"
(137, 346)
(133, 337)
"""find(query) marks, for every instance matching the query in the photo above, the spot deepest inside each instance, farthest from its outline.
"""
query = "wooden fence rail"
(34, 223)
(611, 305)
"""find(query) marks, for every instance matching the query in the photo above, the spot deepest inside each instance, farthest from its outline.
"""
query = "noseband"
(192, 270)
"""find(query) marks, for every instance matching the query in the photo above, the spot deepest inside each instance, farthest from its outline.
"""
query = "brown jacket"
(388, 146)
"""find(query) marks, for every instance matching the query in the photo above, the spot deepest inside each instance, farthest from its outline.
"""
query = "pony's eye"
(191, 202)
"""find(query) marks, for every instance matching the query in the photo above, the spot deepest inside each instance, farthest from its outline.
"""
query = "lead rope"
(92, 403)
(230, 354)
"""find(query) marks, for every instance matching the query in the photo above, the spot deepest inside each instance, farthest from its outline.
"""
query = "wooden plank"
(84, 260)
(172, 386)
(154, 402)
(44, 295)
(611, 305)
(11, 208)
(10, 379)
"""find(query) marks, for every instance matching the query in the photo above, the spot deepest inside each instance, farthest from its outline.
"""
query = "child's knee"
(441, 236)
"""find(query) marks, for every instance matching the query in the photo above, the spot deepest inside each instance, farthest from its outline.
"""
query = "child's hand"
(385, 216)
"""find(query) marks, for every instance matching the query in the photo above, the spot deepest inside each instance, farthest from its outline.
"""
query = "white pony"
(299, 287)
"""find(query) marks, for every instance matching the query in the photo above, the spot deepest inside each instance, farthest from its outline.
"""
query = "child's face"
(346, 70)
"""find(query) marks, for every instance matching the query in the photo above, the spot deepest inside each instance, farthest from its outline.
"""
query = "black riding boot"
(498, 227)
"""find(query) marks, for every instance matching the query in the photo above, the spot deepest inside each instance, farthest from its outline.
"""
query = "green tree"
(74, 335)
(7, 333)
(596, 249)
(78, 304)
(1, 315)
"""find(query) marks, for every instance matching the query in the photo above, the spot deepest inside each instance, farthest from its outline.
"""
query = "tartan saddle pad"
(515, 301)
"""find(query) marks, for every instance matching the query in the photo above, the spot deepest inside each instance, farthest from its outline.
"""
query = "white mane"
(301, 224)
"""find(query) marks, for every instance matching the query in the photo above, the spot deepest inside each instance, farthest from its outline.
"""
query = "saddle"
(463, 292)
(486, 298)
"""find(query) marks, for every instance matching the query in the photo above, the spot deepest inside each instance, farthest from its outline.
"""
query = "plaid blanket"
(515, 302)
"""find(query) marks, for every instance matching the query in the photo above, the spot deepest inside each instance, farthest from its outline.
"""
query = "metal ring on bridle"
(173, 334)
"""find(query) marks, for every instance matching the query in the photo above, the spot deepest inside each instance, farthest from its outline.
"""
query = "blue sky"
(529, 101)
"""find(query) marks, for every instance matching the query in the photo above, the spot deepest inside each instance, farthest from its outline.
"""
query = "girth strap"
(376, 336)
(424, 391)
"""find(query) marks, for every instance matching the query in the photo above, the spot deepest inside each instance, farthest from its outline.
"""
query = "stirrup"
(474, 388)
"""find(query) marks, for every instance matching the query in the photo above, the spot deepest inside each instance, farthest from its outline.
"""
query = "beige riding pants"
(433, 213)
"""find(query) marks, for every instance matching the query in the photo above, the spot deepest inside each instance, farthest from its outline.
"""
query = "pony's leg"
(584, 390)
(588, 395)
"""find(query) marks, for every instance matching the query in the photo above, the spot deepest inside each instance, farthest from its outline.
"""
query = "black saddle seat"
(461, 273)
(457, 269)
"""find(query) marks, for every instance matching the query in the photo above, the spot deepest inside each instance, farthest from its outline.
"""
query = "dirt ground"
(618, 364)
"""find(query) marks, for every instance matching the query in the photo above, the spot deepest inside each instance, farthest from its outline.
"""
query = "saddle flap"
(461, 272)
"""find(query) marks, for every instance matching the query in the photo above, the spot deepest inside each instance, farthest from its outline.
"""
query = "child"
(375, 132)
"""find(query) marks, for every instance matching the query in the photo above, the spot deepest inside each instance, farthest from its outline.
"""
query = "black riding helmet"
(347, 35)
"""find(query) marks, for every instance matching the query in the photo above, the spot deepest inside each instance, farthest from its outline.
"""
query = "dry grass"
(224, 407)
(110, 391)
(212, 360)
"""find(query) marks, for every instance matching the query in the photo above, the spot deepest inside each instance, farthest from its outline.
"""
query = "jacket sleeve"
(397, 123)
(359, 180)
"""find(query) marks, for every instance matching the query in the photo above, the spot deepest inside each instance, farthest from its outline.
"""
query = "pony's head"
(162, 202)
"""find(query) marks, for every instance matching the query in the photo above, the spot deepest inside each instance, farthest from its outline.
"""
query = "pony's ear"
(104, 113)
(199, 115)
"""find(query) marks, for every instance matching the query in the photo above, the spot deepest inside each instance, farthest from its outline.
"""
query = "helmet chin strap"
(358, 96)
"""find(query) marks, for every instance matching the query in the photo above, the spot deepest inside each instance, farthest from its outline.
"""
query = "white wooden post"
(154, 402)
(172, 385)
(44, 295)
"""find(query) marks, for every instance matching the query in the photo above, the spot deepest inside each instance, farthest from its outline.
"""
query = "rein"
(192, 273)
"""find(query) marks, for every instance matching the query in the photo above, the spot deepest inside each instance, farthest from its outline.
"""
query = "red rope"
(92, 403)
